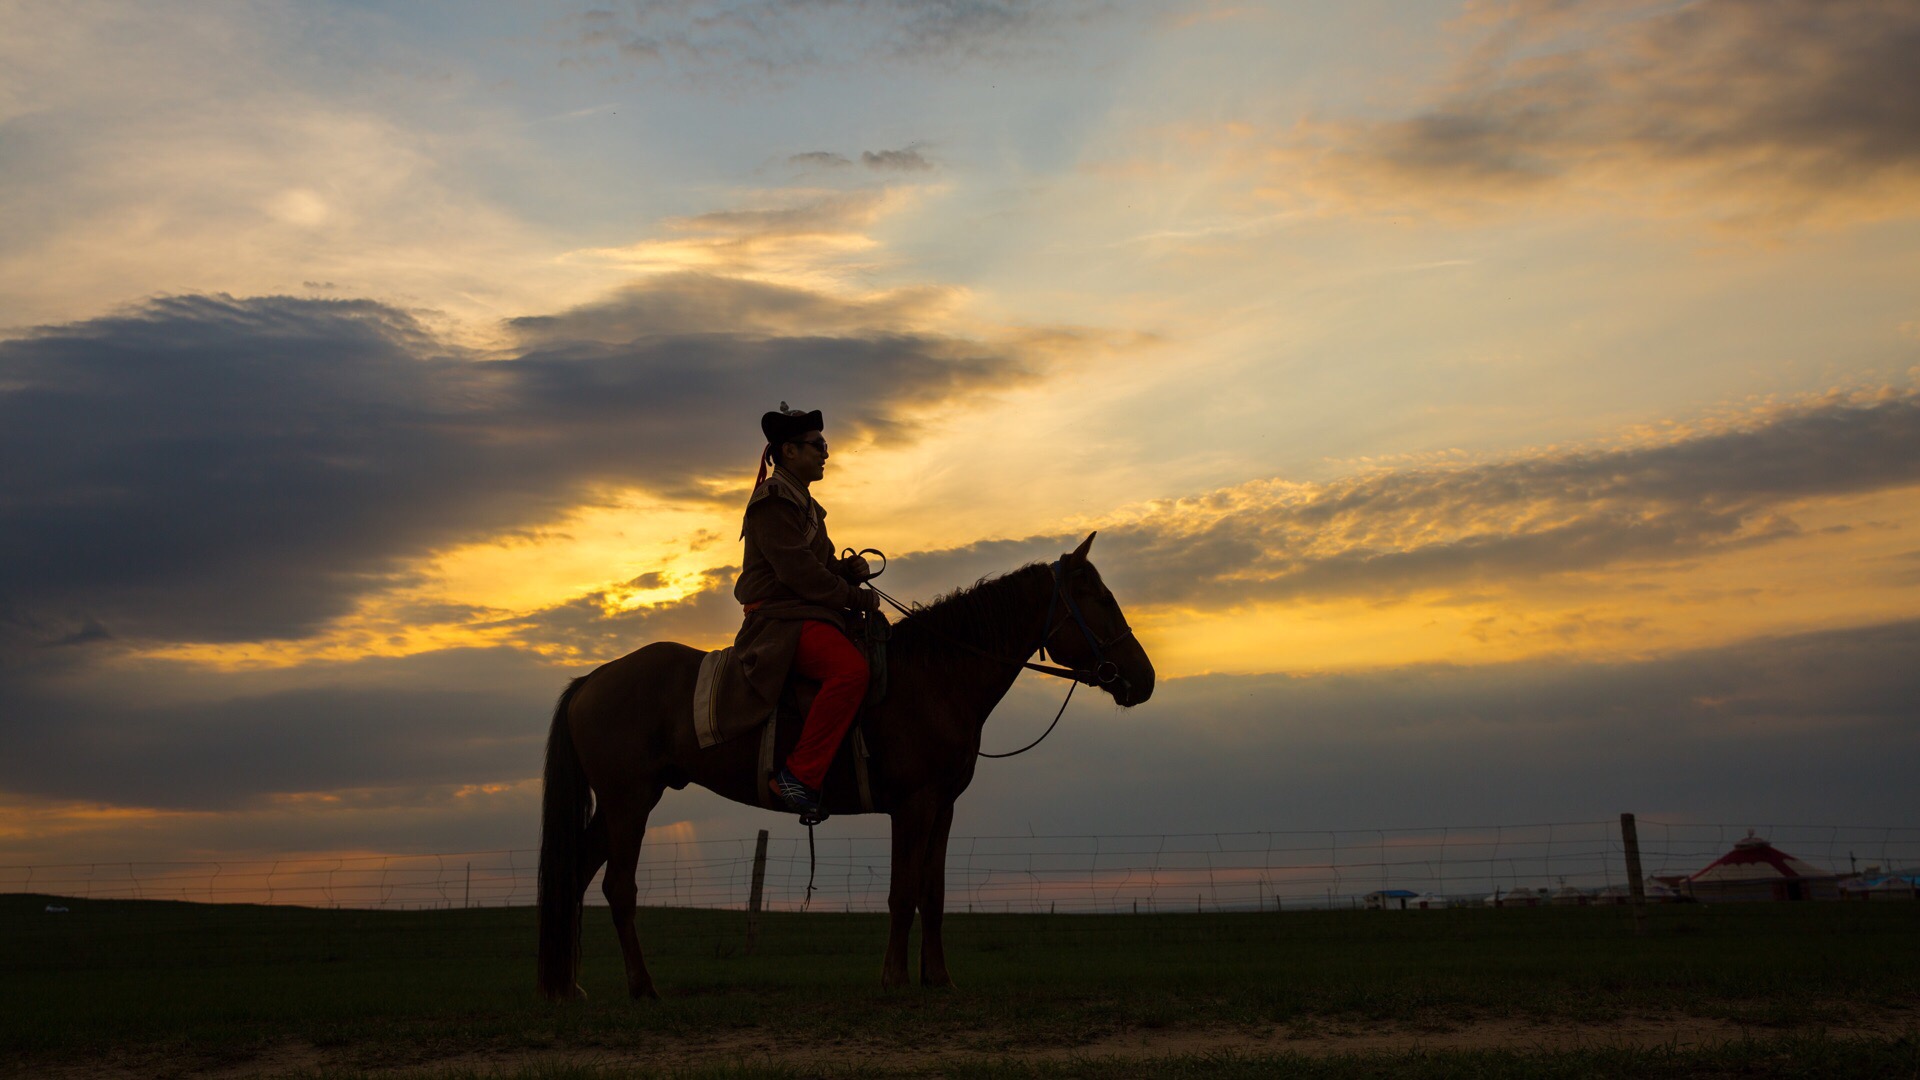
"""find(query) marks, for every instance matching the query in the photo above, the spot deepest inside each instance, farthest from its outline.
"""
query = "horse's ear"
(1080, 553)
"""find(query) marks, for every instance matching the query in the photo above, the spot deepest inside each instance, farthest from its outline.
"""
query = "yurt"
(1904, 885)
(1659, 892)
(1516, 898)
(1653, 891)
(1568, 896)
(1390, 899)
(1756, 870)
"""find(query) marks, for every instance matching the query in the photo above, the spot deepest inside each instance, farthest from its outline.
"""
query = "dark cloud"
(905, 159)
(820, 159)
(694, 304)
(1781, 107)
(765, 41)
(1806, 729)
(908, 159)
(460, 716)
(207, 468)
(1394, 532)
(1812, 729)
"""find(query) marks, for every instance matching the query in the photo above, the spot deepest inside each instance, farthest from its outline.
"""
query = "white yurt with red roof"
(1756, 870)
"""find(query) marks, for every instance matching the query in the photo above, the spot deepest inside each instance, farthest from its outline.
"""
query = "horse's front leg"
(933, 900)
(912, 824)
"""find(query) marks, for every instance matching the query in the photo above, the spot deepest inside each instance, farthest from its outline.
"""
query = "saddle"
(724, 708)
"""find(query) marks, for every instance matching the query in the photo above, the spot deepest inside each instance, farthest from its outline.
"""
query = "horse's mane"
(984, 615)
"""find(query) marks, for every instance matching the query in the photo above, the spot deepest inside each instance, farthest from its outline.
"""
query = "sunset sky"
(1491, 413)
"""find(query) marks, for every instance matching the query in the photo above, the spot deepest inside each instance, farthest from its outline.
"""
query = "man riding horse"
(796, 593)
(627, 732)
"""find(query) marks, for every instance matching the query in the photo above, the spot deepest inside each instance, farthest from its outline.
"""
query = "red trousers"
(827, 656)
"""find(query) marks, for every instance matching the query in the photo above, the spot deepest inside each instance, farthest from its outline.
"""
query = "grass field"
(153, 988)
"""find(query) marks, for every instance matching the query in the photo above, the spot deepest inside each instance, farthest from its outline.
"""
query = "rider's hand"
(856, 568)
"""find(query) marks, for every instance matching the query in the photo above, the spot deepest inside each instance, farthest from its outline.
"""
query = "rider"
(796, 593)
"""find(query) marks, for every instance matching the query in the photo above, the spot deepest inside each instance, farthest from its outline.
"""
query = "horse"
(623, 734)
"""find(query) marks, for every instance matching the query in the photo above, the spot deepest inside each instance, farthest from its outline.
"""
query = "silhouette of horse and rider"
(625, 733)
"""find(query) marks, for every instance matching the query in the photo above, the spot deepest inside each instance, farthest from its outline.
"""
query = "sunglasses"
(817, 444)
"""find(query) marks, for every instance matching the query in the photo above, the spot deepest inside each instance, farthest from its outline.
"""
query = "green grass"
(1809, 1058)
(198, 985)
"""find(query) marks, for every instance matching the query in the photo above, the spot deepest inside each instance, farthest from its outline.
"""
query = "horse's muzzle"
(1124, 693)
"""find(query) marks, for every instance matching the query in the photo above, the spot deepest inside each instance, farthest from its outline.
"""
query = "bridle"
(1104, 672)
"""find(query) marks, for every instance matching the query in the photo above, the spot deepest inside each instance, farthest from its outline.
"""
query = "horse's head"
(1098, 637)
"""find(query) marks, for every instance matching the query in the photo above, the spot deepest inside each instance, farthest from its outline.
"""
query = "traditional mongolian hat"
(786, 425)
(783, 425)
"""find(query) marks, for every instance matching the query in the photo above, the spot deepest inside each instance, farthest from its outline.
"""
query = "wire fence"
(1221, 871)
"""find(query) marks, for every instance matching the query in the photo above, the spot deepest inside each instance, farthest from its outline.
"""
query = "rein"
(1102, 673)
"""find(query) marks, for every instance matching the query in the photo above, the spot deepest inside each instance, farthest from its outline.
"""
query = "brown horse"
(624, 734)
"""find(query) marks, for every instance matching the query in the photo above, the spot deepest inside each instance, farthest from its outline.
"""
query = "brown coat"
(788, 575)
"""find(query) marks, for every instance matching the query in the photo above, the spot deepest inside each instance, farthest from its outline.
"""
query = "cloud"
(1554, 512)
(1809, 728)
(694, 303)
(746, 41)
(1459, 533)
(1775, 113)
(1806, 728)
(820, 159)
(798, 235)
(1663, 499)
(907, 159)
(457, 716)
(1666, 498)
(816, 215)
(206, 468)
(594, 628)
(194, 150)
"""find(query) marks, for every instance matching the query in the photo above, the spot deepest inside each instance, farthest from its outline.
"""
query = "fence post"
(466, 897)
(1636, 886)
(759, 883)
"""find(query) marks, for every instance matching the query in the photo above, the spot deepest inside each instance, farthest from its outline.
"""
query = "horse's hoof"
(938, 982)
(890, 981)
(579, 993)
(643, 993)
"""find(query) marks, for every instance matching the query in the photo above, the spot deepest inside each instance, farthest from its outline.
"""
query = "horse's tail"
(564, 811)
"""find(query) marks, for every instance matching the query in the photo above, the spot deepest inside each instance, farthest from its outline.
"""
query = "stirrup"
(797, 797)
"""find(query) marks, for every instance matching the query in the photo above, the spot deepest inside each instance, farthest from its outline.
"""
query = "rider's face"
(808, 458)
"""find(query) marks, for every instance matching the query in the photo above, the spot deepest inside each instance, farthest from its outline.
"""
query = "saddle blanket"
(723, 705)
(724, 708)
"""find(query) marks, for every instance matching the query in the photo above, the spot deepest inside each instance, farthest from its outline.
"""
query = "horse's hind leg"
(593, 854)
(626, 827)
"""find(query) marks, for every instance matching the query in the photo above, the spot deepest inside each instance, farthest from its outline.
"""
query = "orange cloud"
(796, 236)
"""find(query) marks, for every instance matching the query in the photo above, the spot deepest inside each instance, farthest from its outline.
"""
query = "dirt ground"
(1310, 1038)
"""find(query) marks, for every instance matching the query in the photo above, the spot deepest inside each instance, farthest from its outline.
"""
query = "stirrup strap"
(766, 761)
(860, 770)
